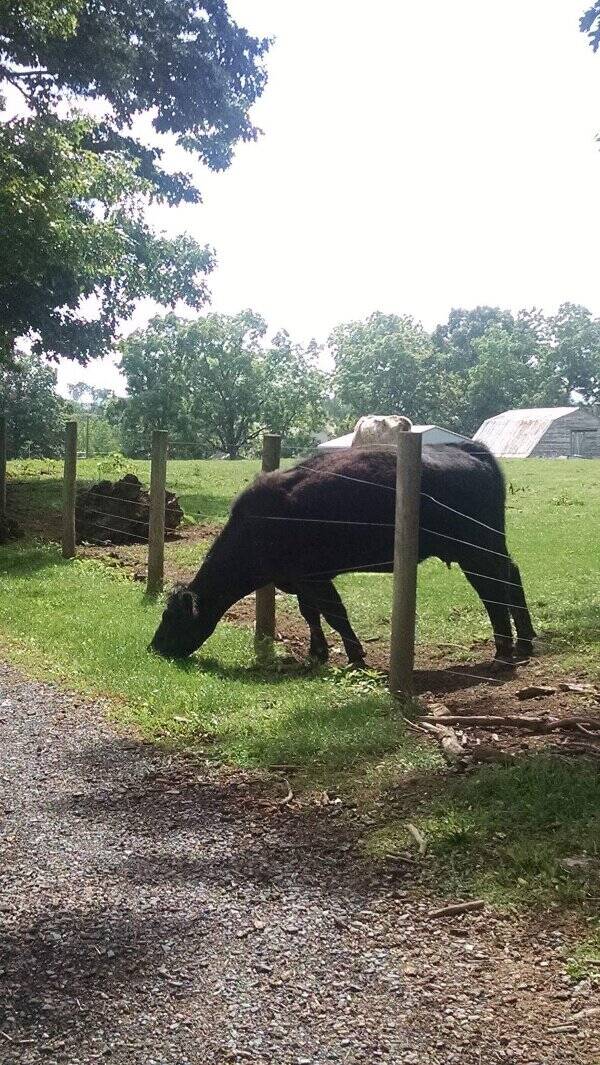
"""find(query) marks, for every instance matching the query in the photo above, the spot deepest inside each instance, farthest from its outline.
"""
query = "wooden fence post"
(156, 535)
(69, 490)
(264, 632)
(2, 466)
(406, 558)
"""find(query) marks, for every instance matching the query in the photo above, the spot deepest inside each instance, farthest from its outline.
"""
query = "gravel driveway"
(155, 912)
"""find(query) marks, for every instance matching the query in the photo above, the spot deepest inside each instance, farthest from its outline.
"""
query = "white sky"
(415, 157)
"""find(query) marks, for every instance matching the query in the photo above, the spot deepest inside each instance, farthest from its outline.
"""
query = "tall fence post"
(69, 490)
(264, 632)
(156, 535)
(2, 466)
(406, 558)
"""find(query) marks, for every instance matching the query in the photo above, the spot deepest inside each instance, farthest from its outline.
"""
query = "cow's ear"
(187, 604)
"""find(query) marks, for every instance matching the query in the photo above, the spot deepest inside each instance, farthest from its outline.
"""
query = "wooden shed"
(543, 432)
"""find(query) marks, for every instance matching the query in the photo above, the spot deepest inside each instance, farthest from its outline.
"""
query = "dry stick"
(458, 907)
(290, 794)
(450, 745)
(534, 724)
(418, 837)
(406, 558)
(264, 632)
(69, 490)
(2, 466)
(156, 536)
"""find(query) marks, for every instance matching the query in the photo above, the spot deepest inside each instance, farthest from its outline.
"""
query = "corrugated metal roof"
(515, 433)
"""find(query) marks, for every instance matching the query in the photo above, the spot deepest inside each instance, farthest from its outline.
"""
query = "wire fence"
(105, 519)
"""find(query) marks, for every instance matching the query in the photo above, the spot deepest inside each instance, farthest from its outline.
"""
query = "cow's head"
(182, 629)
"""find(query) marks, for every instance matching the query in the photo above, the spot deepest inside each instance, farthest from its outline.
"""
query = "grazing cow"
(334, 513)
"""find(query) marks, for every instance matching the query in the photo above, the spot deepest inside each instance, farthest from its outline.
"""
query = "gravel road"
(155, 912)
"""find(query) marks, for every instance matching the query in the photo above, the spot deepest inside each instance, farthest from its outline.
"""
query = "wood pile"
(118, 512)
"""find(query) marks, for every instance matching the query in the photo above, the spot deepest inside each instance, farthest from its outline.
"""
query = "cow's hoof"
(502, 663)
(357, 664)
(524, 649)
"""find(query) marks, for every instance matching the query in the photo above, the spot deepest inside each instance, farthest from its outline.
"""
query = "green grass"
(206, 487)
(584, 963)
(527, 833)
(503, 833)
(81, 624)
(553, 527)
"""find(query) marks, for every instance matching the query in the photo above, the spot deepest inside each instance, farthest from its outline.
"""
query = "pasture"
(86, 624)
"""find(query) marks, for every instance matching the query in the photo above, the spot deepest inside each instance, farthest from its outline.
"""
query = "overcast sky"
(415, 157)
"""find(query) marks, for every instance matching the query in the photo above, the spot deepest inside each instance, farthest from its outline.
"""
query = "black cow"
(334, 513)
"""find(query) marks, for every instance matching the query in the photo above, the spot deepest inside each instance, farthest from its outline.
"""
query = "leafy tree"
(35, 413)
(590, 24)
(386, 365)
(570, 360)
(503, 378)
(214, 381)
(98, 432)
(73, 189)
(73, 229)
(294, 396)
(456, 338)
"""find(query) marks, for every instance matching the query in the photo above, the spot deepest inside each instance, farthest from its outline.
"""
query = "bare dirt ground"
(157, 911)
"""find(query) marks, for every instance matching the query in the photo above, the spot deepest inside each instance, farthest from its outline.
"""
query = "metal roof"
(515, 433)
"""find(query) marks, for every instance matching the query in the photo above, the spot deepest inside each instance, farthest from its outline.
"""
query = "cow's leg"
(520, 612)
(492, 590)
(318, 644)
(324, 596)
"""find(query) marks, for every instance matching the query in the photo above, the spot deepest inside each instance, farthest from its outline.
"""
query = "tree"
(73, 189)
(570, 360)
(92, 408)
(73, 230)
(503, 378)
(386, 365)
(295, 392)
(589, 23)
(214, 382)
(456, 338)
(35, 413)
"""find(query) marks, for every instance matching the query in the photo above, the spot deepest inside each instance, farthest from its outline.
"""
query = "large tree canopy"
(35, 413)
(76, 251)
(216, 384)
(478, 363)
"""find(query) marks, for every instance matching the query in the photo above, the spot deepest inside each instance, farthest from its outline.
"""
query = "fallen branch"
(418, 837)
(290, 794)
(458, 907)
(589, 749)
(534, 724)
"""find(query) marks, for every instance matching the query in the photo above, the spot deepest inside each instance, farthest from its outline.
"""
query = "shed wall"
(556, 441)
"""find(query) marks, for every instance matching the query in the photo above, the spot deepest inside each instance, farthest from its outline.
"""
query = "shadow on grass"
(444, 679)
(26, 558)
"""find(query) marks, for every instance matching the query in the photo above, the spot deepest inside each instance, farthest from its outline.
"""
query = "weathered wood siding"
(556, 441)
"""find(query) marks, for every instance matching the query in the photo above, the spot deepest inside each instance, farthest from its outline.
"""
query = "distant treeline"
(217, 382)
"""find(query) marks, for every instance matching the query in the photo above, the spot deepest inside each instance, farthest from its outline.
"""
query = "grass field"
(87, 626)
